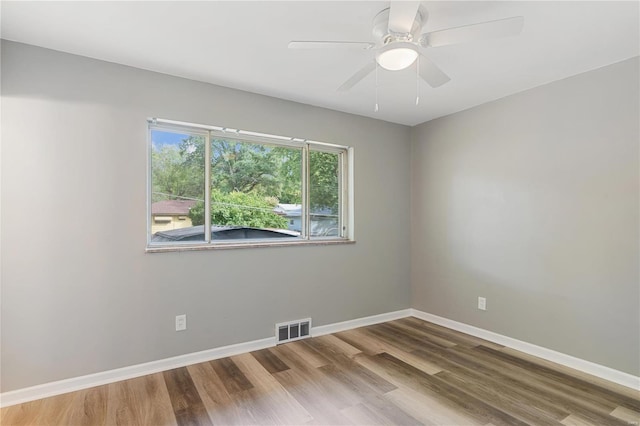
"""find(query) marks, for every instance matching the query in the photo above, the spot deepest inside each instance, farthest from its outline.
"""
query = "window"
(211, 186)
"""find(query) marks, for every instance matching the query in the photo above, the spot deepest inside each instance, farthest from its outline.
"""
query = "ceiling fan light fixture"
(397, 56)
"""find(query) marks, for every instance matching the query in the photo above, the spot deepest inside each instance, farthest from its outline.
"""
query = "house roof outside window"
(172, 207)
(295, 210)
(288, 210)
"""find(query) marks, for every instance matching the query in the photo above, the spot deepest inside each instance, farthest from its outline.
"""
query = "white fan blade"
(330, 45)
(484, 30)
(402, 14)
(430, 72)
(357, 77)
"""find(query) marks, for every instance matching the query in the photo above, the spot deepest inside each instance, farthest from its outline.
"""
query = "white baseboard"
(105, 377)
(589, 367)
(359, 322)
(110, 376)
(83, 382)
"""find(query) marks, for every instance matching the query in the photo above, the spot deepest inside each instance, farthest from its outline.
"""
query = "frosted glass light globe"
(397, 56)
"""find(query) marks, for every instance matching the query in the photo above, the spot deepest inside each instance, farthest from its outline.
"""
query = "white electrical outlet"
(482, 303)
(181, 322)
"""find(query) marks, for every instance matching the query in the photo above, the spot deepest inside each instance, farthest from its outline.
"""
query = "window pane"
(324, 194)
(256, 191)
(177, 186)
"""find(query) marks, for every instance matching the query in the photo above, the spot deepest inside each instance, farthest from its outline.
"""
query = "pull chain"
(376, 107)
(418, 80)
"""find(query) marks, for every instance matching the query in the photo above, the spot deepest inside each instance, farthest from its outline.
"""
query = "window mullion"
(341, 203)
(305, 219)
(207, 188)
(349, 200)
(149, 184)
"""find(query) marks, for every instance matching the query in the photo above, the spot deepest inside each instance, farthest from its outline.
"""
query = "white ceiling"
(243, 45)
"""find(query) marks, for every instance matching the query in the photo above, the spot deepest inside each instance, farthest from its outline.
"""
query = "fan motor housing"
(383, 36)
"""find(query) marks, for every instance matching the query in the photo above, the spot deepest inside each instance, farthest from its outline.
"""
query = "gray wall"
(79, 294)
(533, 202)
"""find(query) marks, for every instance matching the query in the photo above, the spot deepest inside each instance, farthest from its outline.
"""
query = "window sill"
(254, 244)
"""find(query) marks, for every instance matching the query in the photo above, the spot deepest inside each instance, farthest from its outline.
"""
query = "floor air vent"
(293, 330)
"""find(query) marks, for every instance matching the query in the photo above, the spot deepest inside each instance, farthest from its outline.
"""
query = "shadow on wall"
(100, 82)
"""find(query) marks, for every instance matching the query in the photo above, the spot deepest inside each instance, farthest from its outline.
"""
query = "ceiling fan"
(398, 42)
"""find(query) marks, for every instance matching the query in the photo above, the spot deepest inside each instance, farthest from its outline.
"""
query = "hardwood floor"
(403, 372)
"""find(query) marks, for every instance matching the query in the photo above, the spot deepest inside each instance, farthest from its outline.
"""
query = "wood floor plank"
(370, 348)
(378, 411)
(274, 399)
(23, 414)
(323, 405)
(563, 396)
(399, 339)
(329, 348)
(84, 407)
(614, 387)
(185, 399)
(363, 387)
(232, 378)
(461, 397)
(421, 334)
(358, 339)
(90, 407)
(427, 409)
(360, 414)
(340, 345)
(500, 398)
(222, 409)
(566, 379)
(140, 401)
(317, 382)
(403, 374)
(369, 388)
(485, 382)
(539, 393)
(310, 357)
(270, 361)
(299, 357)
(57, 409)
(575, 420)
(386, 409)
(359, 381)
(630, 416)
(364, 341)
(448, 334)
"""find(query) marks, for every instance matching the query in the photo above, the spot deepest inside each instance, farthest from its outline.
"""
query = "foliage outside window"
(212, 185)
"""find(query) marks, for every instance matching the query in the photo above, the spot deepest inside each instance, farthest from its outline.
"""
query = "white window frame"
(345, 188)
